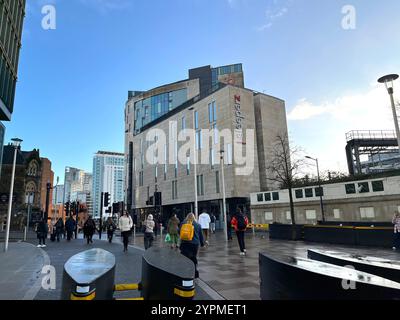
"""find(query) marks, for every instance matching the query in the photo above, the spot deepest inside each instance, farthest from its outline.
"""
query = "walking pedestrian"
(191, 239)
(173, 227)
(41, 231)
(240, 222)
(212, 224)
(229, 226)
(396, 223)
(59, 229)
(89, 228)
(149, 225)
(125, 225)
(111, 227)
(204, 221)
(70, 227)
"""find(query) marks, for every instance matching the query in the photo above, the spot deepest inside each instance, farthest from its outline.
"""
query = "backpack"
(187, 231)
(241, 222)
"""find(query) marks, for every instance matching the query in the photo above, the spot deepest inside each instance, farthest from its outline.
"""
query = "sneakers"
(394, 248)
(39, 246)
(43, 246)
(244, 250)
(242, 253)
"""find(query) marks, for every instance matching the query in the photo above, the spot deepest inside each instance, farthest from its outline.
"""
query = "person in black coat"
(111, 227)
(59, 228)
(41, 231)
(89, 229)
(70, 227)
(229, 226)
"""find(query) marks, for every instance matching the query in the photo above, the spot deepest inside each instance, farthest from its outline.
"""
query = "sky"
(73, 80)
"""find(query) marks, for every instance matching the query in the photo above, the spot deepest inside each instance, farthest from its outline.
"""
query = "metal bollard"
(134, 234)
(254, 230)
(161, 237)
(25, 234)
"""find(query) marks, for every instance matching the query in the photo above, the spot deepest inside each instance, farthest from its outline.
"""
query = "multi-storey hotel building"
(168, 127)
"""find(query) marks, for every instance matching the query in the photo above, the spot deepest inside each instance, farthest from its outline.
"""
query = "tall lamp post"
(388, 81)
(222, 152)
(320, 189)
(16, 143)
(196, 210)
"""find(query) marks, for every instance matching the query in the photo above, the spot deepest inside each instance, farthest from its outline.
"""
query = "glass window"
(309, 193)
(196, 120)
(363, 187)
(377, 186)
(275, 196)
(319, 192)
(350, 188)
(229, 158)
(367, 212)
(267, 196)
(311, 215)
(210, 113)
(299, 194)
(260, 197)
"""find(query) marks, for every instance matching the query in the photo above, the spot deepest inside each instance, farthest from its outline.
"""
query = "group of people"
(58, 230)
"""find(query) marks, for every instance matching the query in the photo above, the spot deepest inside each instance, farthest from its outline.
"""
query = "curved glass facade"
(152, 108)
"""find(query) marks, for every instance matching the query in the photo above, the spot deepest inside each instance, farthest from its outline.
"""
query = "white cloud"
(275, 11)
(320, 128)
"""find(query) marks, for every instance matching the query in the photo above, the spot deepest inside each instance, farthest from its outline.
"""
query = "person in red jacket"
(239, 223)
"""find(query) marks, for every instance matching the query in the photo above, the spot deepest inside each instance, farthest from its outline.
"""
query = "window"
(32, 169)
(216, 133)
(200, 185)
(199, 142)
(311, 214)
(377, 186)
(217, 182)
(350, 188)
(212, 157)
(336, 213)
(363, 187)
(260, 197)
(367, 213)
(267, 196)
(196, 120)
(188, 166)
(309, 192)
(212, 112)
(275, 196)
(299, 194)
(183, 123)
(319, 192)
(269, 216)
(174, 190)
(229, 158)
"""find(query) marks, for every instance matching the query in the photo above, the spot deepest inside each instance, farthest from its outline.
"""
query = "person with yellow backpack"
(191, 239)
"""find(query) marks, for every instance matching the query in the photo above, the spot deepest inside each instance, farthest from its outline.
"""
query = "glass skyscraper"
(108, 176)
(12, 13)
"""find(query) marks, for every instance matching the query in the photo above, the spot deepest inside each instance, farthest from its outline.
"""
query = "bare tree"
(285, 166)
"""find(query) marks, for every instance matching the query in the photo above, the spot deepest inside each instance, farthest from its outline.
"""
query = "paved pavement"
(235, 277)
(20, 271)
(224, 274)
(128, 266)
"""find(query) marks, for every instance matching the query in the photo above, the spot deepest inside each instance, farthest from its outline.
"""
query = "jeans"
(110, 235)
(125, 237)
(396, 242)
(42, 240)
(69, 235)
(189, 250)
(240, 236)
(148, 240)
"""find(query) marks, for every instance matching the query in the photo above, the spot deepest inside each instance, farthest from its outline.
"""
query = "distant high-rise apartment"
(12, 13)
(108, 176)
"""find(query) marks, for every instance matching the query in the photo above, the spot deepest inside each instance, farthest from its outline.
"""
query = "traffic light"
(67, 208)
(115, 208)
(106, 199)
(157, 199)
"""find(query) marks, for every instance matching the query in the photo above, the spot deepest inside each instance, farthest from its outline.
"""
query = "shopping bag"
(168, 238)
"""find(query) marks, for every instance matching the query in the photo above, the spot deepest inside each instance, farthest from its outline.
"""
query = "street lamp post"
(388, 81)
(196, 210)
(16, 142)
(320, 189)
(224, 194)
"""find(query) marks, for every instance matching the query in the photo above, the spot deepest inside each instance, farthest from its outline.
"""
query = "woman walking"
(125, 225)
(191, 239)
(41, 231)
(396, 223)
(89, 229)
(149, 231)
(173, 227)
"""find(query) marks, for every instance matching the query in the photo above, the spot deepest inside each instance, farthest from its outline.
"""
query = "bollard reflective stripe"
(85, 297)
(131, 299)
(127, 287)
(184, 293)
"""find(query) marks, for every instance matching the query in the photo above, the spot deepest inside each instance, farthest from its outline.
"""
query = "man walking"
(240, 222)
(70, 227)
(204, 221)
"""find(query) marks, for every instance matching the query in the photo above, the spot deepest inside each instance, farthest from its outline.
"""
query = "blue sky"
(73, 81)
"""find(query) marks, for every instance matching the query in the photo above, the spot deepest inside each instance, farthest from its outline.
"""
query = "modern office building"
(108, 176)
(12, 13)
(73, 178)
(374, 199)
(222, 115)
(78, 187)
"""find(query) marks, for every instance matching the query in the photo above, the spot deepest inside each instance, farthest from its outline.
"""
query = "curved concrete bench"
(288, 278)
(167, 275)
(385, 268)
(89, 275)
